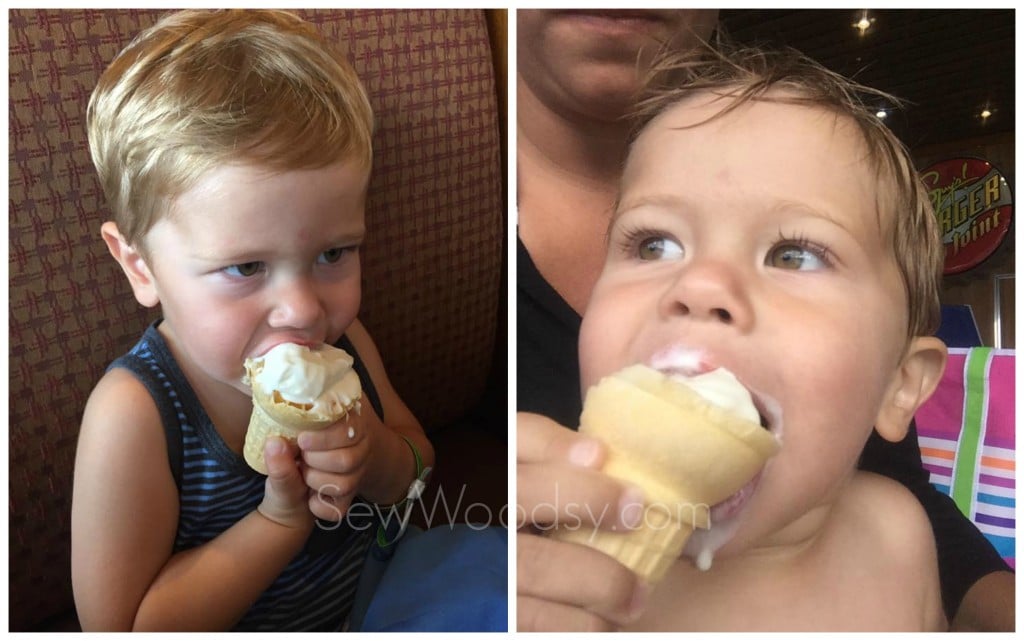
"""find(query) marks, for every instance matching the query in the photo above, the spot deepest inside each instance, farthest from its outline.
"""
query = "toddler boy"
(768, 223)
(234, 148)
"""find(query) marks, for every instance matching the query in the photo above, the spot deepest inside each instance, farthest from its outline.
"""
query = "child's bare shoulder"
(888, 512)
(119, 395)
(121, 417)
(888, 529)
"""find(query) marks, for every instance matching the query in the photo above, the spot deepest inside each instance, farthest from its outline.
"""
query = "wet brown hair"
(750, 73)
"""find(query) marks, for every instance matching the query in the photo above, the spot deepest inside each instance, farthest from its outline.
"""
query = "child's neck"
(786, 548)
(582, 149)
(852, 563)
(762, 582)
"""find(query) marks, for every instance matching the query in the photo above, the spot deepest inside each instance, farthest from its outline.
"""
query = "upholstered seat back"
(432, 261)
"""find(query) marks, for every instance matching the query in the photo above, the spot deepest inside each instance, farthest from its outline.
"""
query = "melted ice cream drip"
(721, 388)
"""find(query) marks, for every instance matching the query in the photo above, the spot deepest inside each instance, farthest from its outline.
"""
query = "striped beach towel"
(966, 433)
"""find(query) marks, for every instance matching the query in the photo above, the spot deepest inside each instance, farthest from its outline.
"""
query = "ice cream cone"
(685, 453)
(301, 390)
(649, 549)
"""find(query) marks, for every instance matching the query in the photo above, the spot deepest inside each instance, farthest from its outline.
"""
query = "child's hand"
(564, 586)
(285, 499)
(335, 463)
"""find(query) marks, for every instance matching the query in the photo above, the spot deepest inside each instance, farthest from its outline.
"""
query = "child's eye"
(649, 245)
(658, 248)
(333, 255)
(244, 270)
(798, 256)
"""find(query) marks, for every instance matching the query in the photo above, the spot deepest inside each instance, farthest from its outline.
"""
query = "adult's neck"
(587, 147)
(568, 168)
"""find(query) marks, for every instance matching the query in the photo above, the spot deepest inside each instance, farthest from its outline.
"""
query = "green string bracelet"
(416, 488)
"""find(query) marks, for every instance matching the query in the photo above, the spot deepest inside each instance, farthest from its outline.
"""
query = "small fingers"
(344, 433)
(285, 491)
(329, 508)
(331, 484)
(279, 456)
(340, 460)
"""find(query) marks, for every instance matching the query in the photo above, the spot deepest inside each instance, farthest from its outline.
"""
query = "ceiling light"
(864, 23)
(881, 115)
(985, 113)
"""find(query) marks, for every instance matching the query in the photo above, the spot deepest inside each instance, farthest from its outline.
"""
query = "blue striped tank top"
(217, 488)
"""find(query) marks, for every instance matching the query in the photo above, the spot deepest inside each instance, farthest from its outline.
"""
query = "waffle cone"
(649, 549)
(684, 453)
(273, 416)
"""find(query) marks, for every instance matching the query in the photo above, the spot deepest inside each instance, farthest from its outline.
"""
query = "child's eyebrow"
(239, 255)
(663, 201)
(672, 202)
(351, 237)
(816, 212)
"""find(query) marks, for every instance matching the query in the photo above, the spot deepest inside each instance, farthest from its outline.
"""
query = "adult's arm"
(564, 586)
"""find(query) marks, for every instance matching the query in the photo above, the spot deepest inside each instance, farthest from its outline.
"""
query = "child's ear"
(912, 383)
(133, 264)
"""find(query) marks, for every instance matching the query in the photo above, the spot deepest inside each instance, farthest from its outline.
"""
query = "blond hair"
(201, 89)
(746, 74)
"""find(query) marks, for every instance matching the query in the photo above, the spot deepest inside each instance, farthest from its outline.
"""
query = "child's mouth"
(723, 520)
(725, 517)
(732, 506)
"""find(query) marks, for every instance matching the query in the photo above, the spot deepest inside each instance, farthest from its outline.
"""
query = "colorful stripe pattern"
(967, 437)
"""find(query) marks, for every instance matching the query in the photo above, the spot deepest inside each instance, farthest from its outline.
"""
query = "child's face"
(248, 259)
(752, 242)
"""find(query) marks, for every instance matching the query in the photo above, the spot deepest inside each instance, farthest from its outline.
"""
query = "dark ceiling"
(947, 64)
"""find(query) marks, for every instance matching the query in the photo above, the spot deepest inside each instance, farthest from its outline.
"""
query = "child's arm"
(377, 464)
(124, 519)
(389, 479)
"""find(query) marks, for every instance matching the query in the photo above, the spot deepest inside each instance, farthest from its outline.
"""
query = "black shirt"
(549, 384)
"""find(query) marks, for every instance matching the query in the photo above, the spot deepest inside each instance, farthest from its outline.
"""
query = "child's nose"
(709, 290)
(296, 304)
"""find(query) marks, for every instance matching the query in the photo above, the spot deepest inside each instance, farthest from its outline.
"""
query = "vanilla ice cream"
(319, 380)
(295, 388)
(721, 388)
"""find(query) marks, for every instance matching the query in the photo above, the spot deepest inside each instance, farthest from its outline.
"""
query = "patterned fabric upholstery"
(432, 262)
